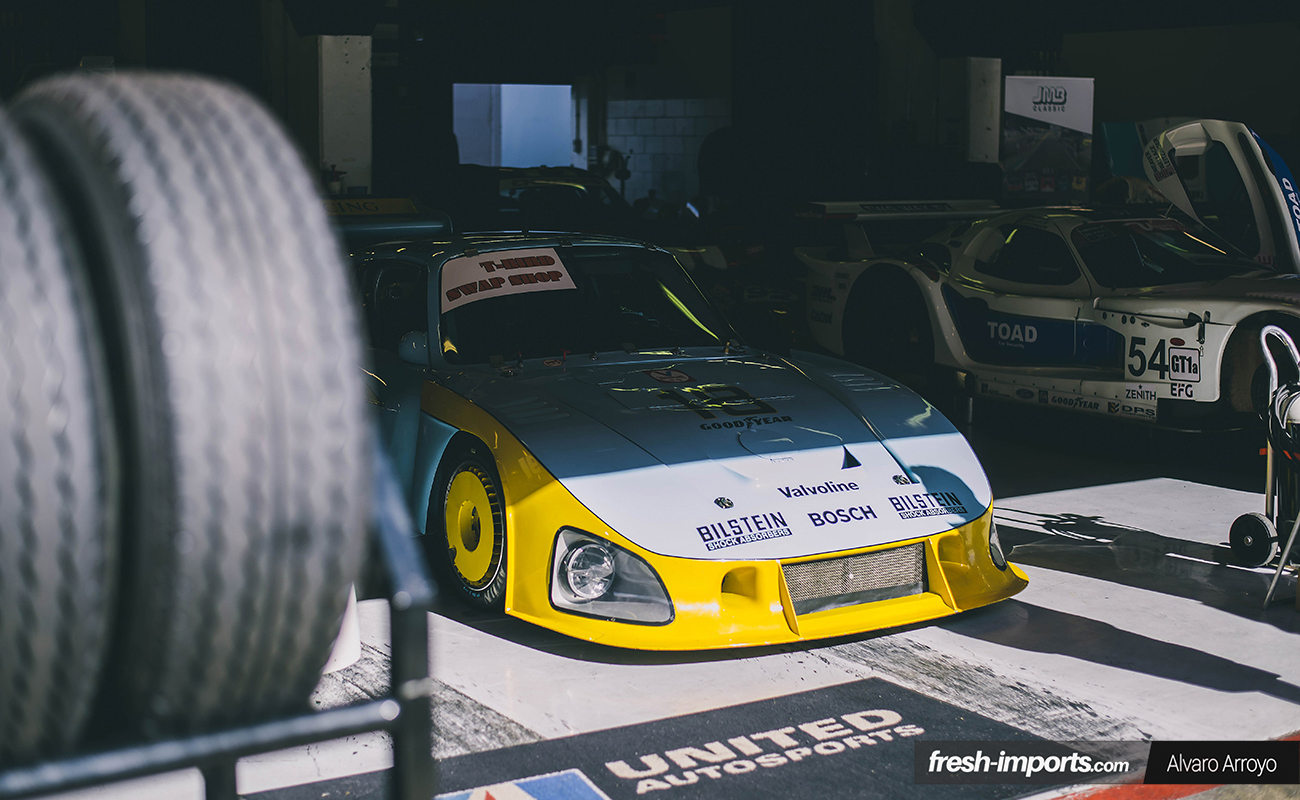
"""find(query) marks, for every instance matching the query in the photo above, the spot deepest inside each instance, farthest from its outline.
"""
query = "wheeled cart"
(1254, 537)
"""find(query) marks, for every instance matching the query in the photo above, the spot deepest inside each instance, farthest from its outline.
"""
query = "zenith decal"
(743, 530)
(790, 744)
(927, 504)
(829, 487)
(838, 515)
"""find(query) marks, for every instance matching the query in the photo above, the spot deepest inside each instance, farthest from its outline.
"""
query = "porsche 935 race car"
(1118, 312)
(586, 446)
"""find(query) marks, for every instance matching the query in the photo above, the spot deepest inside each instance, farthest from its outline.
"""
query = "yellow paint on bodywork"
(716, 604)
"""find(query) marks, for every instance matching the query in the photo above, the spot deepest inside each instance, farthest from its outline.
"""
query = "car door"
(1224, 175)
(1018, 299)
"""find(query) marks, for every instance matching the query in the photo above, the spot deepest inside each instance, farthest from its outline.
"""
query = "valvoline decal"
(1284, 180)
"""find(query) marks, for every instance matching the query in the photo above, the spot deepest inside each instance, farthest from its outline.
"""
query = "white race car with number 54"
(1110, 312)
(1122, 312)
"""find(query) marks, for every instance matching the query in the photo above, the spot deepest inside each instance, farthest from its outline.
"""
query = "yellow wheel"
(467, 527)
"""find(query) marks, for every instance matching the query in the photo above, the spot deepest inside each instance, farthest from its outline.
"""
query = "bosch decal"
(927, 504)
(743, 530)
(838, 515)
(762, 750)
(829, 487)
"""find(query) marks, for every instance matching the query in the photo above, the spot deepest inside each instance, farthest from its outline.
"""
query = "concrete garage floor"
(1132, 628)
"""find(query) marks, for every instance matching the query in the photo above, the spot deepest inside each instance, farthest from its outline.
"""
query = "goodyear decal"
(471, 278)
(1138, 402)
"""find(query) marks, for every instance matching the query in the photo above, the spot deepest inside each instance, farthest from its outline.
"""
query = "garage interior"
(1135, 626)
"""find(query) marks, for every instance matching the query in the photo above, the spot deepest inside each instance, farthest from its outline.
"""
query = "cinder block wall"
(663, 138)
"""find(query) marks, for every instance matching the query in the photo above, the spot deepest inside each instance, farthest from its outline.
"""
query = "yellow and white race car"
(586, 446)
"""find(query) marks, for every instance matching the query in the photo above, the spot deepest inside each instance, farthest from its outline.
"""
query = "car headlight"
(995, 547)
(596, 578)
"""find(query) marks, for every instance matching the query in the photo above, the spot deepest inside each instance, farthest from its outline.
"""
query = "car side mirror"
(414, 348)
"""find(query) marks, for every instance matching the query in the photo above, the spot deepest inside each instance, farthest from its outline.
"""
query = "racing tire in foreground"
(233, 349)
(466, 529)
(58, 472)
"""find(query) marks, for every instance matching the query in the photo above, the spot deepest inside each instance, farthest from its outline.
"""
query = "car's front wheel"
(466, 527)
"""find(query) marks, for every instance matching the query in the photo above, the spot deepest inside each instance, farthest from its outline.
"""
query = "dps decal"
(471, 278)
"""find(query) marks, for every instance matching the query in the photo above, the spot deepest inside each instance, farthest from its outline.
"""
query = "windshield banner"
(470, 278)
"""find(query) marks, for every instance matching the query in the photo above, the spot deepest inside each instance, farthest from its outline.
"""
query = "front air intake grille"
(852, 580)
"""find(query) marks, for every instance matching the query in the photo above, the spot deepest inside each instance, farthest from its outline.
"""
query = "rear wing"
(365, 221)
(1226, 177)
(911, 218)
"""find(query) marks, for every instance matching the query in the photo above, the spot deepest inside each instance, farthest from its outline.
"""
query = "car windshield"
(1127, 254)
(545, 302)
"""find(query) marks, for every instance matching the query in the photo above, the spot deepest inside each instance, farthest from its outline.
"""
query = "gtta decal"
(743, 530)
(927, 504)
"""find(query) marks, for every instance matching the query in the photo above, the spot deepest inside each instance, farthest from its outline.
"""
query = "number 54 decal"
(1170, 363)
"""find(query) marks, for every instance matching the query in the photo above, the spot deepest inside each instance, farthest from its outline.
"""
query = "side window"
(395, 299)
(1030, 255)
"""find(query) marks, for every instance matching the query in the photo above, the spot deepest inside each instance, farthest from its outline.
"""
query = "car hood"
(739, 457)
